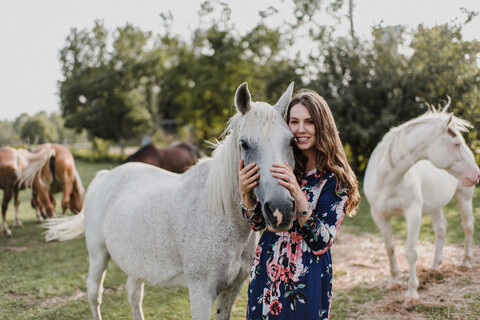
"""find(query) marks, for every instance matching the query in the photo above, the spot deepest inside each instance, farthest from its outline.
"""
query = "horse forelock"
(222, 182)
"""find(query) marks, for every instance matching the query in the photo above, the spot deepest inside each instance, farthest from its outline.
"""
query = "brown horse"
(58, 175)
(14, 162)
(177, 157)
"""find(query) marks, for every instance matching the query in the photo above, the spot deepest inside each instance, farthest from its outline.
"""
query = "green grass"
(48, 281)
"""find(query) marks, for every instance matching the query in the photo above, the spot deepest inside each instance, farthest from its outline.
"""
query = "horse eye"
(244, 144)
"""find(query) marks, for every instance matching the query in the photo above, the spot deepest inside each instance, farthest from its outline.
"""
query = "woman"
(291, 275)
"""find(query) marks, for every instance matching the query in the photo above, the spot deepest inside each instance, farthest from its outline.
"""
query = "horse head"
(264, 140)
(449, 151)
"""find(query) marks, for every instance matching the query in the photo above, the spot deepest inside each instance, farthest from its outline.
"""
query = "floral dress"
(291, 276)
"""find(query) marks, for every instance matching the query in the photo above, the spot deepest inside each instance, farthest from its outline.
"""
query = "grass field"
(47, 281)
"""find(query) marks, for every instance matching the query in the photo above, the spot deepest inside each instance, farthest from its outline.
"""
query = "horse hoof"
(18, 225)
(7, 233)
(464, 267)
(410, 303)
(394, 286)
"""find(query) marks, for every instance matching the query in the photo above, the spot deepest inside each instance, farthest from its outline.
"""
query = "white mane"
(393, 143)
(222, 184)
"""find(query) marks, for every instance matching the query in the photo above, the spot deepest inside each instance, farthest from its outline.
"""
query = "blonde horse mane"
(394, 140)
(34, 162)
(222, 183)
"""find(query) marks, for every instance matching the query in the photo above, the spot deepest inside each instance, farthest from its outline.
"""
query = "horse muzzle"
(279, 215)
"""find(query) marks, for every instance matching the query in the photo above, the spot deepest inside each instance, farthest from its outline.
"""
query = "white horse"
(416, 169)
(186, 229)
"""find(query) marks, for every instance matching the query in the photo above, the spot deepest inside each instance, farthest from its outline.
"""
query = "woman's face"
(302, 126)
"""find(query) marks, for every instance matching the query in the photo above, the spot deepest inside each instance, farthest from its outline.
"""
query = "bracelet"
(248, 209)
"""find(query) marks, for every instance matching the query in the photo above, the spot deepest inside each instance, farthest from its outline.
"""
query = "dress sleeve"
(256, 220)
(320, 230)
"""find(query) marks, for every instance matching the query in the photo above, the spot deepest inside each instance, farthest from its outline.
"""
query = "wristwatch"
(304, 212)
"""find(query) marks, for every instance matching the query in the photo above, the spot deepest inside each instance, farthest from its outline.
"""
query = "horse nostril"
(294, 206)
(267, 208)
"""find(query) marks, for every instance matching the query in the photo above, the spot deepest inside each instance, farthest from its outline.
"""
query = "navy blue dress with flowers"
(291, 276)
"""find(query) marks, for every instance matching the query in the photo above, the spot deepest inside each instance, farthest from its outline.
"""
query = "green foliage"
(101, 90)
(39, 129)
(383, 83)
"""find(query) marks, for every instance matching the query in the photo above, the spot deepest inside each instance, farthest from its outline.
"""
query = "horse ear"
(446, 123)
(242, 98)
(282, 103)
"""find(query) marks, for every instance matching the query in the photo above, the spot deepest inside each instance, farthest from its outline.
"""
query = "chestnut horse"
(58, 175)
(12, 163)
(177, 157)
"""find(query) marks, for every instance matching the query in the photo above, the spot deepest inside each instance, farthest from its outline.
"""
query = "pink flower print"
(285, 275)
(275, 307)
(273, 270)
(294, 247)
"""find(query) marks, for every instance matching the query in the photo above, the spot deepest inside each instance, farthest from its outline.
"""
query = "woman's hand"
(287, 178)
(247, 180)
(247, 177)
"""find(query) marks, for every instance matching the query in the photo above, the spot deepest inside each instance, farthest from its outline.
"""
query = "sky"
(32, 32)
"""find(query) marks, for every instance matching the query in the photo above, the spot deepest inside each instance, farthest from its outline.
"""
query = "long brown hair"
(329, 149)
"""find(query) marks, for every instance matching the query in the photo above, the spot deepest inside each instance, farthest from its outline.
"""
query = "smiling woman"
(292, 274)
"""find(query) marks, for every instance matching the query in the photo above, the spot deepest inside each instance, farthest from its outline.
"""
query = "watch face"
(303, 213)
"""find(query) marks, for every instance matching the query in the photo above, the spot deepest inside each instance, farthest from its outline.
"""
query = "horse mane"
(393, 141)
(34, 164)
(222, 189)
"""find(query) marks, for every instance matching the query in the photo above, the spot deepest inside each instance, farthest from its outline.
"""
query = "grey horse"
(187, 229)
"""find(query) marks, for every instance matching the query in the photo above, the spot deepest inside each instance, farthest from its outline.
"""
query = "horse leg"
(413, 217)
(98, 256)
(226, 300)
(201, 301)
(384, 224)
(16, 203)
(7, 195)
(36, 205)
(440, 228)
(464, 198)
(46, 203)
(135, 297)
(67, 190)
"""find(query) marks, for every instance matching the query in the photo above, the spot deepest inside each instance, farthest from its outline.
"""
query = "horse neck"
(405, 149)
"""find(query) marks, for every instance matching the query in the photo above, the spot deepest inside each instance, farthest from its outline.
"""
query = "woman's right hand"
(247, 178)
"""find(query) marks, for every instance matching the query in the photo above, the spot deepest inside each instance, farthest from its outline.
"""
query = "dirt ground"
(361, 261)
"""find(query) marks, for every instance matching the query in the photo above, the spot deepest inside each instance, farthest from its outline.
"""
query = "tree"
(39, 129)
(380, 84)
(102, 90)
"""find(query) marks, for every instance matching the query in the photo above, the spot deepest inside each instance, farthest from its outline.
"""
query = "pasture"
(47, 280)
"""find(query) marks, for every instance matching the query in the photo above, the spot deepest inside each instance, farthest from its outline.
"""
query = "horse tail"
(71, 227)
(34, 163)
(65, 228)
(78, 181)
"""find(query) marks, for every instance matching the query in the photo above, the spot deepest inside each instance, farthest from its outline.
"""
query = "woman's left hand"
(287, 178)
